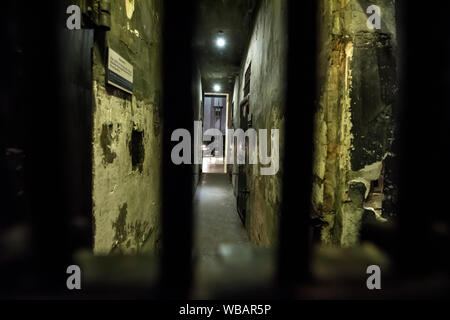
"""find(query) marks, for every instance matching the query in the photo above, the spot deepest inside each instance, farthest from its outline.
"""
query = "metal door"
(243, 191)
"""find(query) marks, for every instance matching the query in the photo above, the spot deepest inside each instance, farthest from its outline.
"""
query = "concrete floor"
(221, 240)
(226, 263)
(216, 219)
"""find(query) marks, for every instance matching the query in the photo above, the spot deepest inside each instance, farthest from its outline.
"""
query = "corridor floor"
(220, 237)
(225, 259)
(217, 220)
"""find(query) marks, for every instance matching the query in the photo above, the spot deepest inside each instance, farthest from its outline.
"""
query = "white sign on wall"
(120, 72)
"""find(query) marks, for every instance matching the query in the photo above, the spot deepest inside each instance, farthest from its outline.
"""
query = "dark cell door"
(243, 191)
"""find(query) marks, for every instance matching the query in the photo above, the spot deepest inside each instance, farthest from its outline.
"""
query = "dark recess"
(137, 150)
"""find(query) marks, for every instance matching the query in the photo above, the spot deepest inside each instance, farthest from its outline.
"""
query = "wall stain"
(120, 225)
(106, 140)
(129, 237)
(137, 150)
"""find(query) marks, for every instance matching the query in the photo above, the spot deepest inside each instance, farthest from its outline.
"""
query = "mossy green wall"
(267, 54)
(126, 198)
(354, 120)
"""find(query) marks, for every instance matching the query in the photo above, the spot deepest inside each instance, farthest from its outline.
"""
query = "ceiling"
(235, 19)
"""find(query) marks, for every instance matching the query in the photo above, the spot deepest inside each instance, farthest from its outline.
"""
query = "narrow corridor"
(217, 220)
(224, 149)
(223, 255)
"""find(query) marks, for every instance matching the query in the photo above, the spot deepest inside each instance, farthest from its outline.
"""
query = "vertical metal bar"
(424, 47)
(45, 159)
(177, 180)
(13, 212)
(297, 170)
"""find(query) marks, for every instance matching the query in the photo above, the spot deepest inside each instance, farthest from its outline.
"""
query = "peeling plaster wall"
(127, 133)
(267, 55)
(354, 128)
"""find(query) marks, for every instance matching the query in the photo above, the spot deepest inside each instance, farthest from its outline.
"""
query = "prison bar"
(423, 116)
(422, 239)
(294, 250)
(177, 180)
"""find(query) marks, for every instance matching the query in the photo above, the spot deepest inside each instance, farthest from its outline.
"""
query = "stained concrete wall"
(354, 127)
(267, 55)
(127, 133)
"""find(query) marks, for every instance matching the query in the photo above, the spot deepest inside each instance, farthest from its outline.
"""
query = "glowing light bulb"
(221, 42)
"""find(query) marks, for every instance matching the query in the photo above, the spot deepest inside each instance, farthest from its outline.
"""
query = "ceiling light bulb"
(217, 88)
(221, 42)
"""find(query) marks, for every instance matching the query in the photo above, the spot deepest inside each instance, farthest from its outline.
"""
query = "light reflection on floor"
(213, 165)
